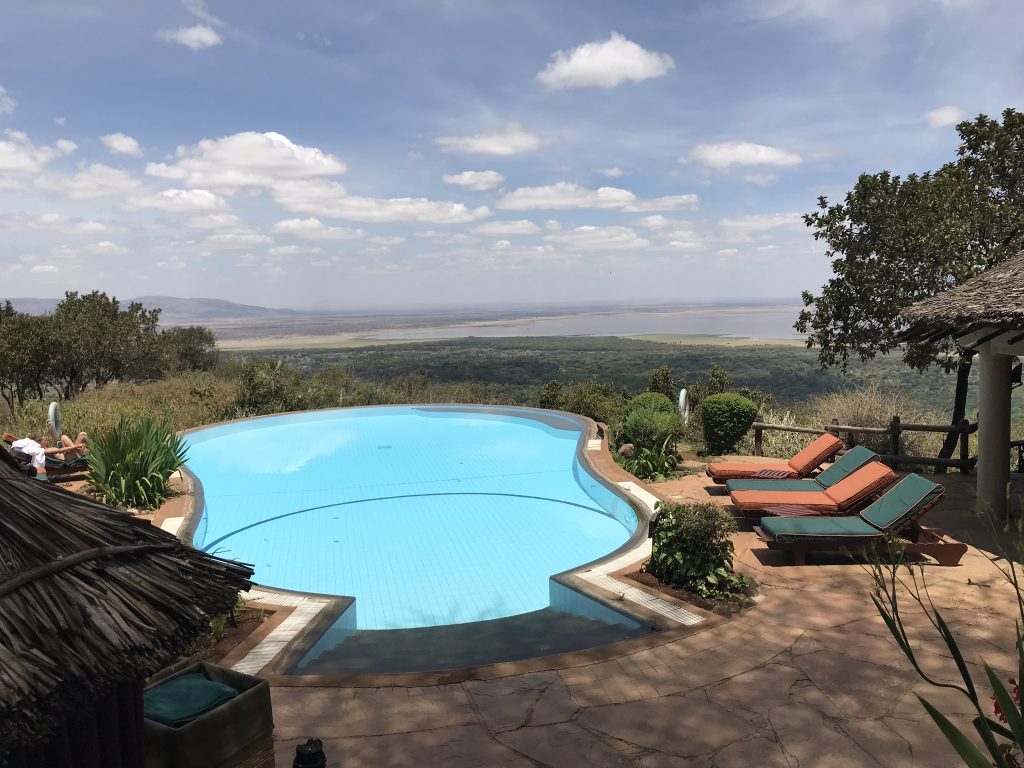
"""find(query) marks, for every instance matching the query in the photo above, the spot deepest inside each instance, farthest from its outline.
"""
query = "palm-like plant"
(130, 464)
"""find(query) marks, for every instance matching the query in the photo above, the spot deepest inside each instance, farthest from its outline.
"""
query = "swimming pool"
(427, 515)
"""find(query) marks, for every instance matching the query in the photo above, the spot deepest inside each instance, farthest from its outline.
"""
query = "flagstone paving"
(809, 677)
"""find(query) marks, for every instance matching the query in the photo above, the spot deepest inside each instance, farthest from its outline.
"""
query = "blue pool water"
(426, 515)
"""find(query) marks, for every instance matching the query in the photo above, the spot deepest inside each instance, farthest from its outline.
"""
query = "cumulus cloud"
(320, 197)
(107, 248)
(730, 153)
(19, 155)
(7, 104)
(943, 116)
(56, 223)
(120, 144)
(246, 159)
(565, 195)
(604, 64)
(591, 238)
(612, 173)
(518, 227)
(743, 228)
(44, 269)
(178, 201)
(314, 229)
(215, 221)
(196, 37)
(512, 139)
(475, 180)
(96, 180)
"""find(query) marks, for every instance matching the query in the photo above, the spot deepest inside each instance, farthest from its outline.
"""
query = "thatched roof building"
(992, 301)
(90, 598)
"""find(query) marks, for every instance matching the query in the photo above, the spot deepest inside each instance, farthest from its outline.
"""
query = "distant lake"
(771, 322)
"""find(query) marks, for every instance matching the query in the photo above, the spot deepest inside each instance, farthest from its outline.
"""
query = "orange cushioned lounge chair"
(841, 498)
(809, 459)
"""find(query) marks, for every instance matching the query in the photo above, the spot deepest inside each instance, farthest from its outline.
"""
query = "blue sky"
(373, 154)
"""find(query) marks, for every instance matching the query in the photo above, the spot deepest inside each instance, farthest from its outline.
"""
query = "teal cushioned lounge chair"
(850, 462)
(895, 513)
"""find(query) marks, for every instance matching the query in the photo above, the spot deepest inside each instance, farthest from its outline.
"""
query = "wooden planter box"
(218, 736)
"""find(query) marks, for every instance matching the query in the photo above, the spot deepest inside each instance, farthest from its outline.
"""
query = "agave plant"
(130, 464)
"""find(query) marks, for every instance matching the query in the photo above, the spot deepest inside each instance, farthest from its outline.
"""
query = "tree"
(894, 241)
(191, 348)
(662, 380)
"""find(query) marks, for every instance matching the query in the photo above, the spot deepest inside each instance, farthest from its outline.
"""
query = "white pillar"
(993, 432)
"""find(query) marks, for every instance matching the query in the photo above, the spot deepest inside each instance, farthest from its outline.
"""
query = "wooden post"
(894, 438)
(965, 446)
(758, 437)
(833, 430)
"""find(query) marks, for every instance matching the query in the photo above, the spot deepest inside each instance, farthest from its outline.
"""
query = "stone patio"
(809, 677)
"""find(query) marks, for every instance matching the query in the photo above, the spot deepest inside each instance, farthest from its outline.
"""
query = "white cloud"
(743, 228)
(197, 37)
(96, 180)
(943, 116)
(178, 201)
(18, 154)
(552, 225)
(727, 251)
(215, 221)
(243, 238)
(518, 227)
(501, 245)
(591, 238)
(56, 223)
(512, 139)
(246, 159)
(654, 222)
(107, 248)
(761, 179)
(565, 195)
(43, 268)
(321, 197)
(198, 9)
(475, 180)
(612, 173)
(61, 121)
(604, 64)
(730, 153)
(7, 104)
(314, 229)
(447, 238)
(120, 144)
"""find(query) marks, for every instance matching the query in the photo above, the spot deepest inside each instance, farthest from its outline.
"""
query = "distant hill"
(177, 311)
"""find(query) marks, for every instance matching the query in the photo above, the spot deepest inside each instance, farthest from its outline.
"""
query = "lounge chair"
(840, 498)
(846, 465)
(896, 512)
(54, 466)
(802, 464)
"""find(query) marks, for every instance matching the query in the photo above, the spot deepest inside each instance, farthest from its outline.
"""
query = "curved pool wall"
(506, 514)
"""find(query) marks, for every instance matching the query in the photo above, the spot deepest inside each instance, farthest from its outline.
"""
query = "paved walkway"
(809, 677)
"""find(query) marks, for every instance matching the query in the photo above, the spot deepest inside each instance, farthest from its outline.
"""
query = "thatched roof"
(90, 595)
(994, 299)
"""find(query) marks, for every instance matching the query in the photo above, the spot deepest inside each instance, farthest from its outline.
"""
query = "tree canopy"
(90, 340)
(893, 241)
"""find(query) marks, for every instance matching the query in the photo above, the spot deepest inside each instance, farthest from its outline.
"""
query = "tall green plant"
(726, 418)
(1002, 737)
(130, 464)
(691, 548)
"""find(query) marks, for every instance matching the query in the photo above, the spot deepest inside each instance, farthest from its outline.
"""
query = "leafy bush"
(663, 381)
(599, 402)
(129, 465)
(267, 386)
(651, 430)
(649, 464)
(651, 401)
(691, 549)
(726, 418)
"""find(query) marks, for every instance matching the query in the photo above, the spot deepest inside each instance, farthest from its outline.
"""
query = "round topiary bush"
(726, 418)
(651, 401)
(652, 430)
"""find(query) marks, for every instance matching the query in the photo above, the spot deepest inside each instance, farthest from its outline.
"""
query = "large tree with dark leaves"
(893, 241)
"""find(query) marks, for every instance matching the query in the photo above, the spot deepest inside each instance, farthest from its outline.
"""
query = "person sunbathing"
(37, 451)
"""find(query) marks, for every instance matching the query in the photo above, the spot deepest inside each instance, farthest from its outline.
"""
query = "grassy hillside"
(515, 367)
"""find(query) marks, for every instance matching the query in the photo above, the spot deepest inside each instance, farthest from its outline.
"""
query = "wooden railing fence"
(964, 461)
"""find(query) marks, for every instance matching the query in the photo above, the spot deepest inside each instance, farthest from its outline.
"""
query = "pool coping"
(310, 613)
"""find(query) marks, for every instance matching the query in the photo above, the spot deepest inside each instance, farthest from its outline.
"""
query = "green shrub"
(726, 418)
(651, 430)
(649, 464)
(691, 549)
(651, 401)
(129, 465)
(599, 402)
(663, 381)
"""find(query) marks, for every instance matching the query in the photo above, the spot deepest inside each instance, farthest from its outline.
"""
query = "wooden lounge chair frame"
(914, 538)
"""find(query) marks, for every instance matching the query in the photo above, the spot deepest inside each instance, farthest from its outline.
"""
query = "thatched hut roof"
(994, 299)
(90, 596)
